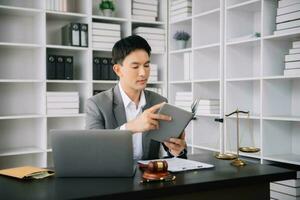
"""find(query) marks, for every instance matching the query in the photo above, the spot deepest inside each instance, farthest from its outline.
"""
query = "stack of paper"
(187, 63)
(288, 16)
(156, 90)
(288, 189)
(180, 9)
(153, 73)
(208, 106)
(184, 100)
(154, 36)
(292, 61)
(105, 35)
(145, 10)
(62, 103)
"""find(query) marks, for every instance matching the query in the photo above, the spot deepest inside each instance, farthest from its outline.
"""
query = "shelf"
(17, 11)
(19, 45)
(243, 79)
(206, 80)
(180, 82)
(172, 22)
(280, 77)
(20, 81)
(246, 41)
(214, 45)
(283, 36)
(105, 82)
(67, 115)
(20, 151)
(181, 51)
(21, 117)
(103, 50)
(66, 47)
(282, 118)
(207, 13)
(285, 158)
(56, 15)
(252, 5)
(66, 81)
(147, 22)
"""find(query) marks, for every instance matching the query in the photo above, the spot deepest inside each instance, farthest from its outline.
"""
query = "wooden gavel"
(155, 166)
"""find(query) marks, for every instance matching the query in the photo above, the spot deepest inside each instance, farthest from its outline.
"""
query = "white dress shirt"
(132, 111)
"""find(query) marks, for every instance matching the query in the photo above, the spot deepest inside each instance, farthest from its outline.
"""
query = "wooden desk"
(221, 182)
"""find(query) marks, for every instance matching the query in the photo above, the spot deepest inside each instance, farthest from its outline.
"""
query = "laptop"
(92, 153)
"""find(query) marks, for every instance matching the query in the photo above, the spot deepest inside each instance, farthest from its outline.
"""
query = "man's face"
(135, 70)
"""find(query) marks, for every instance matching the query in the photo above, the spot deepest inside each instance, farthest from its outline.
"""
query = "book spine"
(288, 17)
(293, 57)
(292, 65)
(288, 9)
(284, 3)
(106, 33)
(106, 26)
(287, 25)
(294, 51)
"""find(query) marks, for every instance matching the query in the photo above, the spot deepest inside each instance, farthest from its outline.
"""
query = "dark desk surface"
(223, 174)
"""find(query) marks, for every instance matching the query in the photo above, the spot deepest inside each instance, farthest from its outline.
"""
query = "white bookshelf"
(29, 33)
(242, 71)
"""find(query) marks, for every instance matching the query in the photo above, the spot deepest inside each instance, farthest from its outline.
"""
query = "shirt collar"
(127, 101)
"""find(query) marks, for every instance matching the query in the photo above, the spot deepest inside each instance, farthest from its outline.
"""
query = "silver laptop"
(92, 153)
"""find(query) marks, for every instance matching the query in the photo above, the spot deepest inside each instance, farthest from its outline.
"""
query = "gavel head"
(157, 166)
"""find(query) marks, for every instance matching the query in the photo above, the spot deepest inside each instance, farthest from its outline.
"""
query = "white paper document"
(179, 164)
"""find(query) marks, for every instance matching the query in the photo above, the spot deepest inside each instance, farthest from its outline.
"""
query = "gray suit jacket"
(106, 111)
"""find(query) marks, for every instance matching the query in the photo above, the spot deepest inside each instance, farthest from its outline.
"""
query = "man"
(128, 106)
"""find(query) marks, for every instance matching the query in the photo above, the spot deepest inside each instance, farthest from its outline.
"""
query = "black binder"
(96, 69)
(105, 69)
(112, 74)
(84, 35)
(68, 67)
(71, 34)
(51, 68)
(60, 68)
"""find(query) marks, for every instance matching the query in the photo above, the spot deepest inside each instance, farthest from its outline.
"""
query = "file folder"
(51, 68)
(69, 67)
(27, 172)
(96, 68)
(71, 34)
(84, 35)
(105, 69)
(60, 68)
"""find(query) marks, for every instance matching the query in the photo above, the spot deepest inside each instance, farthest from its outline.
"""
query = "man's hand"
(176, 145)
(148, 120)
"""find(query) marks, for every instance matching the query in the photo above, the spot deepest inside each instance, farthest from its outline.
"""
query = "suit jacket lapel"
(118, 107)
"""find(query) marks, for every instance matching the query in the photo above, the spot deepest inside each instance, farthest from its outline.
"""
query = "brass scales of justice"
(250, 149)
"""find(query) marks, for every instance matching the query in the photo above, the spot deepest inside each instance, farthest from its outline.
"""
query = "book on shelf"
(61, 111)
(185, 4)
(287, 31)
(105, 39)
(143, 6)
(296, 44)
(294, 51)
(294, 191)
(144, 13)
(287, 25)
(291, 72)
(175, 2)
(59, 5)
(292, 57)
(288, 9)
(288, 17)
(181, 16)
(103, 32)
(107, 26)
(180, 11)
(143, 18)
(62, 94)
(290, 182)
(62, 97)
(292, 65)
(150, 2)
(282, 196)
(284, 3)
(151, 36)
(149, 30)
(62, 105)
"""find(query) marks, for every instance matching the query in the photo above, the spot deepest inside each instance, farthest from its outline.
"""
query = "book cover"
(288, 9)
(98, 32)
(294, 191)
(151, 2)
(292, 65)
(106, 26)
(143, 6)
(284, 3)
(96, 68)
(292, 57)
(287, 25)
(288, 17)
(143, 18)
(294, 51)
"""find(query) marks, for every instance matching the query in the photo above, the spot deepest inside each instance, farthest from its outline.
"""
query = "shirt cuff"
(123, 127)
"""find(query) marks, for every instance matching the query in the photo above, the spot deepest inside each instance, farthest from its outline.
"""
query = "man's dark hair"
(125, 46)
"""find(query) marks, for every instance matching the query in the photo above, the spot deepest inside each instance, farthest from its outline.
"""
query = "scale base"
(238, 163)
